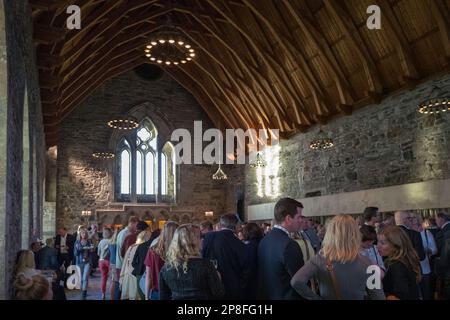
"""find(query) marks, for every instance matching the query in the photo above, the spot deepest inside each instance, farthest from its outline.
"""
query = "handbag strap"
(334, 280)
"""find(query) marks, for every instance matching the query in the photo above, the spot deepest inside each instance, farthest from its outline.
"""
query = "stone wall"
(22, 83)
(377, 146)
(85, 183)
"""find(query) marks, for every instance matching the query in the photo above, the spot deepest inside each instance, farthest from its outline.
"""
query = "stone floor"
(93, 292)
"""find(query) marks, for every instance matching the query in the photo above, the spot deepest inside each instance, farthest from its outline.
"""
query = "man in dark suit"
(47, 257)
(64, 243)
(280, 257)
(231, 256)
(443, 260)
(403, 219)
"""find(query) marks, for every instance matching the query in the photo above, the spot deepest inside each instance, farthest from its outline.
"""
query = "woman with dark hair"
(368, 249)
(403, 274)
(252, 234)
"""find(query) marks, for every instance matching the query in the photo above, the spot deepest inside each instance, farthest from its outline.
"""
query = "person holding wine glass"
(84, 251)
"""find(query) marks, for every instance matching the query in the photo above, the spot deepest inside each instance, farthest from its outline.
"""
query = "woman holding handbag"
(338, 268)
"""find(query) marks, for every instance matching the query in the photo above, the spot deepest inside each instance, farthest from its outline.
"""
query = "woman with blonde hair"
(84, 250)
(36, 287)
(154, 261)
(25, 264)
(403, 274)
(186, 275)
(338, 267)
(127, 280)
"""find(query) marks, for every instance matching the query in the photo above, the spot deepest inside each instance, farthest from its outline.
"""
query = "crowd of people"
(400, 257)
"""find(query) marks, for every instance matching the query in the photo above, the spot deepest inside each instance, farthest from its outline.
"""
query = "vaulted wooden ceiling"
(285, 64)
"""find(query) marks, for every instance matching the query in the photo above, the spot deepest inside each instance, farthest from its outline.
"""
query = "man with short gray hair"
(403, 219)
(230, 253)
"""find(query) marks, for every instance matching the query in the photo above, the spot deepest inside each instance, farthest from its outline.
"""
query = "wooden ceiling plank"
(293, 53)
(267, 59)
(122, 43)
(111, 39)
(94, 17)
(45, 5)
(98, 31)
(442, 15)
(398, 39)
(345, 22)
(74, 87)
(231, 76)
(48, 61)
(346, 93)
(222, 88)
(43, 34)
(113, 70)
(246, 66)
(202, 99)
(229, 117)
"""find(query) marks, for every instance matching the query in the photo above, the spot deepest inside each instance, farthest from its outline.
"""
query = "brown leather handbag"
(337, 292)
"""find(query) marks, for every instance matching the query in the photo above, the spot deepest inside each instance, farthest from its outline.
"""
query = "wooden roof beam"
(202, 99)
(246, 66)
(282, 78)
(43, 34)
(442, 15)
(49, 81)
(345, 90)
(48, 61)
(345, 22)
(46, 5)
(113, 70)
(115, 17)
(397, 38)
(291, 51)
(232, 77)
(72, 88)
(242, 114)
(94, 17)
(234, 123)
(123, 43)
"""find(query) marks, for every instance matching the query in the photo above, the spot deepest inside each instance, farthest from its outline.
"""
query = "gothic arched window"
(168, 186)
(124, 166)
(145, 173)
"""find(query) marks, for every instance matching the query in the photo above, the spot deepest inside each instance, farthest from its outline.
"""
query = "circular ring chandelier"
(123, 123)
(168, 47)
(322, 142)
(438, 103)
(103, 155)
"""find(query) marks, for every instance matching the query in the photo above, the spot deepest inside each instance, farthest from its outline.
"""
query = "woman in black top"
(403, 267)
(185, 275)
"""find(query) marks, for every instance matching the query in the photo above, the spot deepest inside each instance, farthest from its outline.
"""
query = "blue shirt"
(112, 253)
